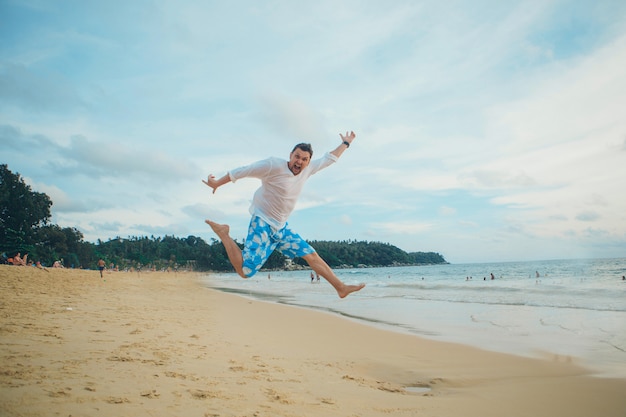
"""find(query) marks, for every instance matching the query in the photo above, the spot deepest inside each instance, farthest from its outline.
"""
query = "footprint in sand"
(278, 397)
(150, 394)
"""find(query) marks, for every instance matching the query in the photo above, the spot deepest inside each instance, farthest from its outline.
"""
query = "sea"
(566, 310)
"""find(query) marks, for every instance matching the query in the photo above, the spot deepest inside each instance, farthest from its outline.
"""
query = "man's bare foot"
(349, 289)
(220, 229)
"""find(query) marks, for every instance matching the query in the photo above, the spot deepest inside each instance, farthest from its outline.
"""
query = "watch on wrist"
(345, 142)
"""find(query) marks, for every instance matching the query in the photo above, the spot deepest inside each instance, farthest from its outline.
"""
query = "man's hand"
(349, 137)
(211, 182)
(216, 183)
(345, 139)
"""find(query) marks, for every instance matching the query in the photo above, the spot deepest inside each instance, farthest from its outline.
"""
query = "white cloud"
(345, 219)
(21, 87)
(116, 158)
(60, 199)
(405, 227)
(292, 118)
(447, 211)
(588, 216)
(581, 97)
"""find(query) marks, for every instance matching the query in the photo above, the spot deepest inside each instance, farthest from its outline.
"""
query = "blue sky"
(486, 130)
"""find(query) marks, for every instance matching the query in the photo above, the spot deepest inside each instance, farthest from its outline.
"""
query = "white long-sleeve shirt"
(276, 198)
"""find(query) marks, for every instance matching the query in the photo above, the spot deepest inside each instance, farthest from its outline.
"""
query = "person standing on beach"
(101, 265)
(281, 184)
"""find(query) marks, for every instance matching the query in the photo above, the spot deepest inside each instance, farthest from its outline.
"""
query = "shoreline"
(584, 334)
(594, 368)
(164, 344)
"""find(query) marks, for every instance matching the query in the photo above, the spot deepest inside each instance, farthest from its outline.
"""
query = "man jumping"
(281, 184)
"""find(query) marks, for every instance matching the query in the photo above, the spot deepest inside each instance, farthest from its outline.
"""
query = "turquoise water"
(575, 310)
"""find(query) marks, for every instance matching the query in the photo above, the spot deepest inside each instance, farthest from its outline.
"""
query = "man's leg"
(232, 250)
(322, 268)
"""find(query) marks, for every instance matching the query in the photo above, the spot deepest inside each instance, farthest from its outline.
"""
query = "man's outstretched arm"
(346, 140)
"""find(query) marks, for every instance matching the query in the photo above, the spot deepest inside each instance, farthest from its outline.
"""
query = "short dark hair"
(306, 147)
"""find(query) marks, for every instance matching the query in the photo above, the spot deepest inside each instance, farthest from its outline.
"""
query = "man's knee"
(248, 271)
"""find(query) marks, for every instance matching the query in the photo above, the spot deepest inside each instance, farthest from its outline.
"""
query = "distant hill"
(370, 254)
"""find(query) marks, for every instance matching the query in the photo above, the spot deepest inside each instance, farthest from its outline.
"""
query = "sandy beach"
(159, 344)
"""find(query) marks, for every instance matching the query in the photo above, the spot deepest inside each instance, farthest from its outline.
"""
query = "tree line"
(25, 227)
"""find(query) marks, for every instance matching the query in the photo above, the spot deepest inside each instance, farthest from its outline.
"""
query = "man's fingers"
(207, 183)
(349, 134)
(208, 179)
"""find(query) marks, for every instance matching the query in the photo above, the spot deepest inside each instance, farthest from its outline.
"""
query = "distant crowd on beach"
(19, 260)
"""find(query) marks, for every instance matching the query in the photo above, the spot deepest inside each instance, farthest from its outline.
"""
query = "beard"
(295, 169)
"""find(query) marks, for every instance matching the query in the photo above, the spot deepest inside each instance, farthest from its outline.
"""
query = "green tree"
(22, 211)
(52, 243)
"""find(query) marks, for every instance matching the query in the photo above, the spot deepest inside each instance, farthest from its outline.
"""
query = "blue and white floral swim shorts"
(263, 239)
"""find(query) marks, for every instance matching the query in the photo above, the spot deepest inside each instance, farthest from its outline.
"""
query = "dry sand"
(159, 344)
